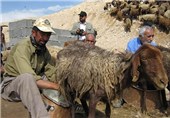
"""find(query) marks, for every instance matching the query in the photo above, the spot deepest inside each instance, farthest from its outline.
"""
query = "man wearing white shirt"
(82, 27)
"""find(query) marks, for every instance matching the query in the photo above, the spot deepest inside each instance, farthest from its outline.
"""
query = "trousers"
(24, 88)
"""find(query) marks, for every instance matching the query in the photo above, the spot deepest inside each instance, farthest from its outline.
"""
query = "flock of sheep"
(149, 12)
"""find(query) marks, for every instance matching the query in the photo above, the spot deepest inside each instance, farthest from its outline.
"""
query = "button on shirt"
(24, 59)
(134, 44)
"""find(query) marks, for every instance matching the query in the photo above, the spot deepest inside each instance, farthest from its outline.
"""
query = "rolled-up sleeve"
(50, 72)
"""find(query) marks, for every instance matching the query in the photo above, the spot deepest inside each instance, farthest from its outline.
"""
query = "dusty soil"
(17, 110)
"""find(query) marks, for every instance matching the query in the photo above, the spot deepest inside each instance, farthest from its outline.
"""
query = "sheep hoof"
(117, 103)
(144, 112)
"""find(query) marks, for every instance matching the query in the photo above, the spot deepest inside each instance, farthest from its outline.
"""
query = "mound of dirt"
(111, 34)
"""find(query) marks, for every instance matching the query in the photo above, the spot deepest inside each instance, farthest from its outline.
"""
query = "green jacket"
(24, 59)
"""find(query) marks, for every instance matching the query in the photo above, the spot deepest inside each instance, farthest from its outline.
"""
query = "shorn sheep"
(89, 72)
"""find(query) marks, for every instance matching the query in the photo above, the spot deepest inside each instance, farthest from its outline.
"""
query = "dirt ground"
(17, 110)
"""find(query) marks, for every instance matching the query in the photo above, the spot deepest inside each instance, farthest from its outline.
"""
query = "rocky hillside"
(111, 34)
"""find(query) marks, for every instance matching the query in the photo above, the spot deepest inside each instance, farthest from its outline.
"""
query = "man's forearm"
(47, 85)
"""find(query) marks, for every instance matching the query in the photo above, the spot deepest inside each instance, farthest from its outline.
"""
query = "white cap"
(43, 25)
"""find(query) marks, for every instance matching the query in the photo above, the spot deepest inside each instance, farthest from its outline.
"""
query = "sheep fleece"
(81, 67)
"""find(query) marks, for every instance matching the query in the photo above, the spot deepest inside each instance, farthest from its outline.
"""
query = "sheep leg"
(85, 106)
(144, 109)
(92, 105)
(72, 107)
(107, 110)
(144, 102)
(72, 111)
(163, 98)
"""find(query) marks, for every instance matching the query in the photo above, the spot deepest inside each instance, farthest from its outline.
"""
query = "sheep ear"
(135, 65)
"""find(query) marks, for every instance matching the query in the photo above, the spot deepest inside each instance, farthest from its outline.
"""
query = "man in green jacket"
(27, 62)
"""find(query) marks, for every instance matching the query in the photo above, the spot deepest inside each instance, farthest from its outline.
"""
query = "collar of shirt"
(83, 23)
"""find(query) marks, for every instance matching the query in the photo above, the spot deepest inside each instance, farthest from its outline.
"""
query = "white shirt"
(82, 26)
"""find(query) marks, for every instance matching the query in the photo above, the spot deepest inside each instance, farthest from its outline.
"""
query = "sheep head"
(147, 63)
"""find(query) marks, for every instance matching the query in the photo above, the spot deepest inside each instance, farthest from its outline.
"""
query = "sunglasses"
(150, 36)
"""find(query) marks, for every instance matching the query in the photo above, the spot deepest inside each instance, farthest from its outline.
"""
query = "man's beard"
(147, 42)
(39, 46)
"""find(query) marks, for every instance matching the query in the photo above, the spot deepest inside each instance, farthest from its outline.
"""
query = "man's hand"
(81, 32)
(78, 31)
(2, 69)
(84, 33)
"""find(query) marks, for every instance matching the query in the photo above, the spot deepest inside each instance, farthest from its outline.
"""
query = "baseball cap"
(43, 25)
(82, 13)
